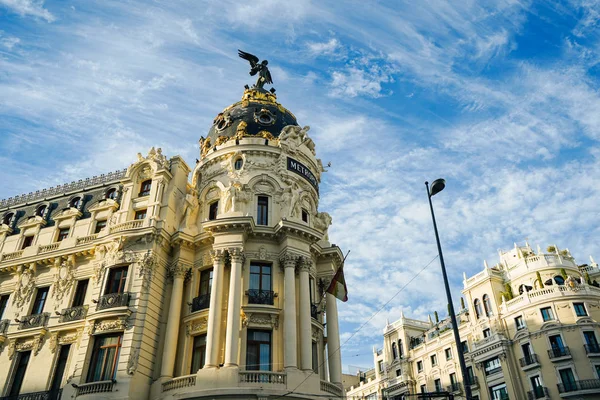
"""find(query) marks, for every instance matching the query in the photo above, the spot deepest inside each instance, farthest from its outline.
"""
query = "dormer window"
(7, 218)
(145, 188)
(40, 210)
(74, 203)
(111, 194)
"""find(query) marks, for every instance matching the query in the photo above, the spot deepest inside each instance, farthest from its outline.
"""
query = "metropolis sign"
(300, 169)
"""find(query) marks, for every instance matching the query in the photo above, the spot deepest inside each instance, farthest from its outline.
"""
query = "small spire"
(592, 260)
(464, 276)
(556, 249)
(485, 264)
(387, 322)
(503, 299)
(430, 320)
(539, 249)
(401, 314)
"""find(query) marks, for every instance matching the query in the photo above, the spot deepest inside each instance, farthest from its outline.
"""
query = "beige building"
(164, 281)
(529, 329)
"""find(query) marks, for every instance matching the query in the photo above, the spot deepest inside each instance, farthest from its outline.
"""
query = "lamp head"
(437, 186)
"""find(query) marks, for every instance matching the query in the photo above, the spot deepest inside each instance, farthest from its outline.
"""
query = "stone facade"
(170, 255)
(529, 329)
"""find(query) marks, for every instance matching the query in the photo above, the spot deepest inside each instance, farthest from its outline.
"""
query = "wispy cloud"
(29, 8)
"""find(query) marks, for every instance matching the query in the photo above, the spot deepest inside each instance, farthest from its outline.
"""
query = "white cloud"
(323, 48)
(354, 82)
(33, 8)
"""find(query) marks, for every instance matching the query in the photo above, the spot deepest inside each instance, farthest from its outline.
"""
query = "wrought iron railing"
(557, 352)
(4, 324)
(95, 387)
(113, 300)
(258, 296)
(592, 348)
(276, 378)
(539, 392)
(201, 302)
(529, 360)
(73, 313)
(179, 382)
(47, 395)
(33, 321)
(454, 387)
(587, 384)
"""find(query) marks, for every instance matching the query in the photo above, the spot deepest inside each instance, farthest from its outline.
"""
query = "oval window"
(238, 164)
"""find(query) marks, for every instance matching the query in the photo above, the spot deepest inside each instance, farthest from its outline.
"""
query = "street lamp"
(437, 186)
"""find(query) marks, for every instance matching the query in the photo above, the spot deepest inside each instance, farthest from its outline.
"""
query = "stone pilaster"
(305, 320)
(333, 341)
(232, 337)
(290, 358)
(214, 311)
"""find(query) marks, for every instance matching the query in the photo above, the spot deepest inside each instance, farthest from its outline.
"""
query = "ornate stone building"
(529, 327)
(164, 281)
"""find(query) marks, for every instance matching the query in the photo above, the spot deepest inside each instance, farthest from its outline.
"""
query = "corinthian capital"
(289, 260)
(305, 264)
(217, 256)
(236, 254)
(178, 270)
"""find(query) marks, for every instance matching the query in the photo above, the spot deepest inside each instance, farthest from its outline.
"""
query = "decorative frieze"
(132, 363)
(112, 325)
(147, 263)
(196, 326)
(63, 279)
(261, 319)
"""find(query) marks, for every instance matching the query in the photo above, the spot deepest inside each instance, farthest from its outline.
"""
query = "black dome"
(258, 114)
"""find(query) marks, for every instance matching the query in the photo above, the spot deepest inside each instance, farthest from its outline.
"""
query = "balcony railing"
(134, 224)
(33, 321)
(529, 360)
(588, 384)
(539, 392)
(201, 302)
(4, 324)
(73, 313)
(593, 348)
(257, 296)
(86, 239)
(473, 382)
(49, 247)
(263, 377)
(95, 387)
(113, 300)
(179, 382)
(48, 395)
(331, 389)
(558, 352)
(454, 387)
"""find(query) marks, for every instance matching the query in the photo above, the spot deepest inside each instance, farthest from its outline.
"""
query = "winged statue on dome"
(256, 67)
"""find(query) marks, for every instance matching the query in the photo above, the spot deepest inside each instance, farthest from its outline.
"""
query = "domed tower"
(256, 244)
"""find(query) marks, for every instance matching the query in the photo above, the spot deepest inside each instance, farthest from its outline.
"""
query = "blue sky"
(500, 97)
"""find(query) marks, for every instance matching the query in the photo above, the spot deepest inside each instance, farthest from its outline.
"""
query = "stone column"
(333, 341)
(232, 338)
(290, 359)
(172, 332)
(305, 319)
(214, 312)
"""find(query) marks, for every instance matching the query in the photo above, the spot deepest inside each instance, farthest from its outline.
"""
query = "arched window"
(400, 351)
(111, 194)
(394, 351)
(145, 187)
(8, 218)
(487, 305)
(559, 280)
(40, 210)
(477, 306)
(74, 203)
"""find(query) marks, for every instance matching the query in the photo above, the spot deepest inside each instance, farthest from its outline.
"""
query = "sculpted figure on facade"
(322, 221)
(191, 207)
(290, 200)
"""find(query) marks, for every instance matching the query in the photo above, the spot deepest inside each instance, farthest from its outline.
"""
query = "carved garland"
(96, 327)
(271, 320)
(25, 286)
(63, 279)
(57, 339)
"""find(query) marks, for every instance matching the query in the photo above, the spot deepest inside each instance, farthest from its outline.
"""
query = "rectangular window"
(258, 350)
(470, 374)
(423, 388)
(80, 292)
(448, 352)
(438, 385)
(262, 213)
(304, 216)
(63, 234)
(100, 225)
(315, 357)
(59, 370)
(547, 314)
(116, 280)
(453, 379)
(556, 342)
(419, 366)
(580, 310)
(567, 379)
(591, 343)
(3, 304)
(145, 188)
(206, 277)
(433, 360)
(140, 214)
(198, 353)
(398, 372)
(492, 366)
(499, 392)
(259, 288)
(213, 211)
(105, 355)
(380, 364)
(519, 322)
(487, 333)
(465, 346)
(40, 300)
(27, 241)
(19, 374)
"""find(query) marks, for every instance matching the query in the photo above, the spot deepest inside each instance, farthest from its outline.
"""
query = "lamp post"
(437, 186)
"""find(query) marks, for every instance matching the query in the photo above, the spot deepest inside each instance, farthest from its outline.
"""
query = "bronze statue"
(264, 76)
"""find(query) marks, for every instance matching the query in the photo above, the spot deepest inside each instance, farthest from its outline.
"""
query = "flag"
(337, 287)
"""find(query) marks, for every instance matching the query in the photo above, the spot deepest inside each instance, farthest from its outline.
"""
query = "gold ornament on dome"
(266, 135)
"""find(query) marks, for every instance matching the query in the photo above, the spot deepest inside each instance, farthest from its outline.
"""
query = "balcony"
(473, 382)
(588, 386)
(112, 300)
(48, 395)
(73, 314)
(493, 371)
(95, 387)
(263, 377)
(529, 361)
(592, 350)
(454, 387)
(33, 321)
(539, 392)
(179, 382)
(559, 353)
(331, 388)
(201, 302)
(257, 296)
(127, 225)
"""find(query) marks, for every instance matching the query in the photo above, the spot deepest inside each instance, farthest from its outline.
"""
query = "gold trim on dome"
(266, 135)
(241, 131)
(221, 140)
(252, 94)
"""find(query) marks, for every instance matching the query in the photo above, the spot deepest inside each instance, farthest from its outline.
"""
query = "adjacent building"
(166, 280)
(529, 329)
